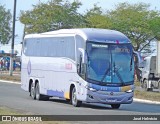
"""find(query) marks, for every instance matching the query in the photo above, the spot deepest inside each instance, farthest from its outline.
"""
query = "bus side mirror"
(137, 58)
(83, 55)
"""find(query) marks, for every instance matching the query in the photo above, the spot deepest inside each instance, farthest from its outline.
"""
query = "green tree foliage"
(138, 22)
(96, 19)
(5, 28)
(52, 15)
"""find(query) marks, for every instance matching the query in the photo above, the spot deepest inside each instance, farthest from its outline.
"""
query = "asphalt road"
(12, 96)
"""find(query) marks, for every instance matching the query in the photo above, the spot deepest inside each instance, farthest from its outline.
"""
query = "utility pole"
(13, 36)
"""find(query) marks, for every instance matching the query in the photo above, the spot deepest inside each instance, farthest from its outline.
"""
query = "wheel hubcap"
(32, 91)
(74, 99)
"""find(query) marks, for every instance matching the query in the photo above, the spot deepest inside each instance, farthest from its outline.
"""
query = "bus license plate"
(111, 100)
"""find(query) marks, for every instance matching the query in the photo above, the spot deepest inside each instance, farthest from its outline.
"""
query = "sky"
(86, 5)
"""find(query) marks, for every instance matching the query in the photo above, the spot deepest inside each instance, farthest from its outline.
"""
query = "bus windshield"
(110, 64)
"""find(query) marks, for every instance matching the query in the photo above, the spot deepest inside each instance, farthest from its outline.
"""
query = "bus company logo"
(29, 67)
(68, 66)
(111, 93)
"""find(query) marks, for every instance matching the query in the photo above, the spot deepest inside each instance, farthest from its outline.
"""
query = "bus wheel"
(74, 100)
(115, 106)
(32, 91)
(38, 95)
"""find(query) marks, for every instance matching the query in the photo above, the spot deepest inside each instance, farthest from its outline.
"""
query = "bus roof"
(89, 34)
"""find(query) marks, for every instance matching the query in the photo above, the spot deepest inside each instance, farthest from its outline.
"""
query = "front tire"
(74, 100)
(115, 106)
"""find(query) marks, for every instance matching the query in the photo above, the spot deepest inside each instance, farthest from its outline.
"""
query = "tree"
(96, 19)
(50, 16)
(136, 21)
(5, 28)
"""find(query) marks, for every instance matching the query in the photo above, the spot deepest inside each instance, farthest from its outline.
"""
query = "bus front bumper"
(109, 97)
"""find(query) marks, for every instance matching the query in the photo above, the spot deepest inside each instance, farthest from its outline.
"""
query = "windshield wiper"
(105, 74)
(118, 74)
(103, 84)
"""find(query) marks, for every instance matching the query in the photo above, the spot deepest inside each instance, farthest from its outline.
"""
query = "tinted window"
(50, 47)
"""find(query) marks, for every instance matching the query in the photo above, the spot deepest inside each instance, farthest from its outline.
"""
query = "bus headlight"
(90, 88)
(129, 91)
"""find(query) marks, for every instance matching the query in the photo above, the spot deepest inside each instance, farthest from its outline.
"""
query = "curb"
(134, 99)
(145, 101)
(12, 82)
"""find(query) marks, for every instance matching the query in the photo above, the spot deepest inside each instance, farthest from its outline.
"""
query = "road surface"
(12, 96)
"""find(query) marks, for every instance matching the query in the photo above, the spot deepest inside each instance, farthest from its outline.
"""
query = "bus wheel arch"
(70, 92)
(30, 83)
(73, 96)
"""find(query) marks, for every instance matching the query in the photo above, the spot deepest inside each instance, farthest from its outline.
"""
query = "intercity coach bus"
(81, 65)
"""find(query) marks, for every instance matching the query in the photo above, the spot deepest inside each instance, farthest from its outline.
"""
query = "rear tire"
(37, 94)
(74, 100)
(32, 92)
(115, 106)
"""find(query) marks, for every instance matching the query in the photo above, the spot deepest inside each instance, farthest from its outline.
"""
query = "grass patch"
(154, 96)
(7, 77)
(7, 111)
(137, 83)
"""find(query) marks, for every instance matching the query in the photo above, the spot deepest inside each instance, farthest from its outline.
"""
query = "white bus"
(80, 65)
